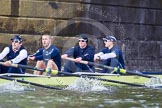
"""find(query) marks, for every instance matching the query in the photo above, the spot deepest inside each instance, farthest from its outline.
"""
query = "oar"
(27, 82)
(56, 72)
(102, 79)
(23, 75)
(115, 69)
(31, 83)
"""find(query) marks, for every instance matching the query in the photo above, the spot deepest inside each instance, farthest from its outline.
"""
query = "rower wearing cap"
(111, 55)
(15, 53)
(81, 52)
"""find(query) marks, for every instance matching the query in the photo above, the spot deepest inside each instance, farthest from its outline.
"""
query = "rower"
(47, 57)
(111, 55)
(80, 52)
(15, 53)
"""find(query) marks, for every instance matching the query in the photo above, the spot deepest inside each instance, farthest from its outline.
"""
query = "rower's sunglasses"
(82, 40)
(16, 41)
(106, 40)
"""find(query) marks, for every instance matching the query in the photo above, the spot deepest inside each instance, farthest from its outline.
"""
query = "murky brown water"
(119, 97)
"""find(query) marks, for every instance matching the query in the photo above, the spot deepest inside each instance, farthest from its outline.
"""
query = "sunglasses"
(106, 40)
(82, 40)
(16, 41)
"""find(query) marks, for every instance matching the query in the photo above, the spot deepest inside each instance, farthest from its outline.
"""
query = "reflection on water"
(126, 97)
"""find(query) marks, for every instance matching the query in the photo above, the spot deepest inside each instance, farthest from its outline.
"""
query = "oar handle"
(23, 66)
(30, 67)
(72, 59)
(100, 65)
(48, 70)
(12, 65)
(90, 63)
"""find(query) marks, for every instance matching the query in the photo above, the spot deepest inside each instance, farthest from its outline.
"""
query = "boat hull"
(66, 80)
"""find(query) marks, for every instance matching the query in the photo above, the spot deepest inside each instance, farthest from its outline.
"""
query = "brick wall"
(136, 24)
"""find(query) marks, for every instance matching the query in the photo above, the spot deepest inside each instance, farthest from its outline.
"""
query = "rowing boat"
(133, 78)
(66, 80)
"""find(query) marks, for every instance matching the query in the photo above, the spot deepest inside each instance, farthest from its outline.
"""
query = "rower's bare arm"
(64, 56)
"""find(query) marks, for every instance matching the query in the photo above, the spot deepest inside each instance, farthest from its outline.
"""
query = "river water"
(117, 97)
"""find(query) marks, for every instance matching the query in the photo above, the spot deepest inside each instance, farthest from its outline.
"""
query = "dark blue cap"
(17, 38)
(83, 37)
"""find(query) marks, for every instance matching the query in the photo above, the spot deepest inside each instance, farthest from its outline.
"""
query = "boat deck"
(66, 80)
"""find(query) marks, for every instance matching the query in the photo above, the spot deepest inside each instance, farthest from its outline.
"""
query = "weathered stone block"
(5, 7)
(135, 23)
(156, 4)
(26, 25)
(47, 9)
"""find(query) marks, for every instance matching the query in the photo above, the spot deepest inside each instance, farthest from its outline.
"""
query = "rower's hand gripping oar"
(47, 70)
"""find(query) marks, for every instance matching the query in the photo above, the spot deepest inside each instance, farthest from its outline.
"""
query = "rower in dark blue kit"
(111, 55)
(15, 53)
(47, 57)
(80, 52)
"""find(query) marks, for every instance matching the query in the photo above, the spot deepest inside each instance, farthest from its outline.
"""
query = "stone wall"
(136, 24)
